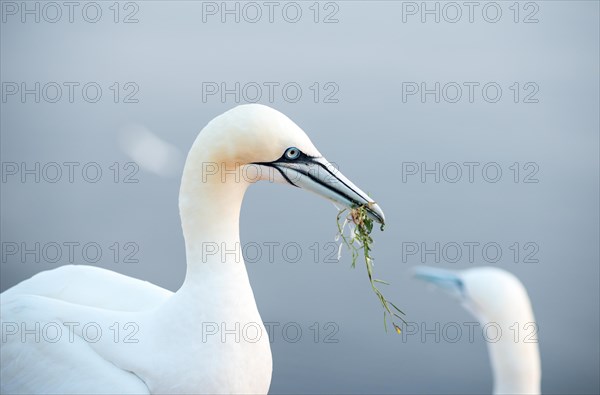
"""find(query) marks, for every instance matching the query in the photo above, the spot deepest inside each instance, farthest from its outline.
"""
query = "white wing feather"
(93, 286)
(68, 365)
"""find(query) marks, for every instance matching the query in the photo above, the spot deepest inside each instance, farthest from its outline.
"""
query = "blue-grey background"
(368, 53)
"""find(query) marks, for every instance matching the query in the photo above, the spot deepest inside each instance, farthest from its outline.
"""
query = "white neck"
(210, 207)
(515, 357)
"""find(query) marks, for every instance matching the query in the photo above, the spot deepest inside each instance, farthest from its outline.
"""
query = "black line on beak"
(305, 159)
(274, 166)
(333, 175)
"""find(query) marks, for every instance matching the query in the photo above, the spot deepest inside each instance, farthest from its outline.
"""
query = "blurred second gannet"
(496, 297)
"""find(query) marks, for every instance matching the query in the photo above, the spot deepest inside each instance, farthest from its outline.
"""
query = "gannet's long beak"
(447, 280)
(317, 175)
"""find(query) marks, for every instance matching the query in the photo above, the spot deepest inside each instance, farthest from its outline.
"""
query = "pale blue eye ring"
(292, 153)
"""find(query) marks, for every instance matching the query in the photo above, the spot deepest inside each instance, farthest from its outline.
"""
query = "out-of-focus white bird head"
(263, 144)
(489, 293)
(496, 297)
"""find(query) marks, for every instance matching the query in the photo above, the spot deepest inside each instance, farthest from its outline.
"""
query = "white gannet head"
(489, 293)
(263, 144)
(497, 298)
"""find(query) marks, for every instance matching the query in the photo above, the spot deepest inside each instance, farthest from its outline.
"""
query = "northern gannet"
(496, 297)
(169, 348)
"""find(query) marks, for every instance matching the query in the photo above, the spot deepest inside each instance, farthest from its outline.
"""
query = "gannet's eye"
(292, 153)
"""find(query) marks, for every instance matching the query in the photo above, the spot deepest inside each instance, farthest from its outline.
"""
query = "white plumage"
(498, 299)
(169, 349)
